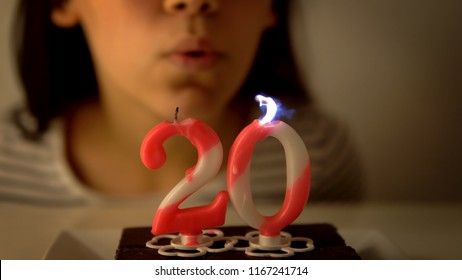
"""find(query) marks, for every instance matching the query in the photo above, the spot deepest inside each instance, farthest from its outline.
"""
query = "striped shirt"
(38, 172)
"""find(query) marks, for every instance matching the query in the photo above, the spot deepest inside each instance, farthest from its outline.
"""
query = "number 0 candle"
(188, 221)
(298, 172)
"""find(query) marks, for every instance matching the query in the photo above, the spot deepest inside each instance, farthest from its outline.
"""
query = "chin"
(199, 107)
(205, 102)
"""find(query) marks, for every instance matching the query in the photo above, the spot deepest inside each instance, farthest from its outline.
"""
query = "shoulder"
(29, 170)
(336, 162)
(322, 132)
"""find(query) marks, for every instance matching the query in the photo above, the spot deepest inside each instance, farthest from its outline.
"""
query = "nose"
(190, 6)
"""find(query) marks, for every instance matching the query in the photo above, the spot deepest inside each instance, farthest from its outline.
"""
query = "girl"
(98, 74)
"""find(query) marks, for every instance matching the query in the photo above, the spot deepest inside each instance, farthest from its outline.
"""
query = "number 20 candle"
(298, 172)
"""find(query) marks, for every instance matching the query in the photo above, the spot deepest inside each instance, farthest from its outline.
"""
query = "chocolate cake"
(328, 244)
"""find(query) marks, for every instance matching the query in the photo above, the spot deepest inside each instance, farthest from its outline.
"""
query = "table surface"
(419, 230)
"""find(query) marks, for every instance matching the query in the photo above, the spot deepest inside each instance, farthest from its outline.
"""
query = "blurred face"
(160, 54)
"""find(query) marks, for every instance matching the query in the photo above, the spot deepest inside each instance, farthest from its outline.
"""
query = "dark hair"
(56, 69)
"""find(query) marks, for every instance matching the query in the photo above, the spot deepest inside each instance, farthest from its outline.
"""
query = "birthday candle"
(298, 172)
(188, 221)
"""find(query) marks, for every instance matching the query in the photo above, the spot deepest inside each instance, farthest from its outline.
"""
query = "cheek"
(123, 62)
(118, 34)
(242, 41)
(245, 31)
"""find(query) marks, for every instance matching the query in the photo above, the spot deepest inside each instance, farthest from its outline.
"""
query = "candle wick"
(176, 113)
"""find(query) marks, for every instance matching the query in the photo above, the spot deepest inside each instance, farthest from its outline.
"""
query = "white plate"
(101, 244)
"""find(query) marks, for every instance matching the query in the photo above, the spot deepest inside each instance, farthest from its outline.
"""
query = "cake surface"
(329, 245)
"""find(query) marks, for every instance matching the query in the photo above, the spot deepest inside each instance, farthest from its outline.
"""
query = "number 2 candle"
(189, 222)
(298, 173)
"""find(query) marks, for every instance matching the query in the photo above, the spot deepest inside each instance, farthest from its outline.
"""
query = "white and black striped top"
(37, 172)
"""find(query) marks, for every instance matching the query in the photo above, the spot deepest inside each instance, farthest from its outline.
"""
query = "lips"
(193, 54)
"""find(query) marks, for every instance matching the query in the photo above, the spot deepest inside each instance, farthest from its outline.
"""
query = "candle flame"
(271, 108)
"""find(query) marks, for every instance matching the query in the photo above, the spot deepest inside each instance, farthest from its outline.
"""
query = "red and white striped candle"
(189, 222)
(298, 172)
